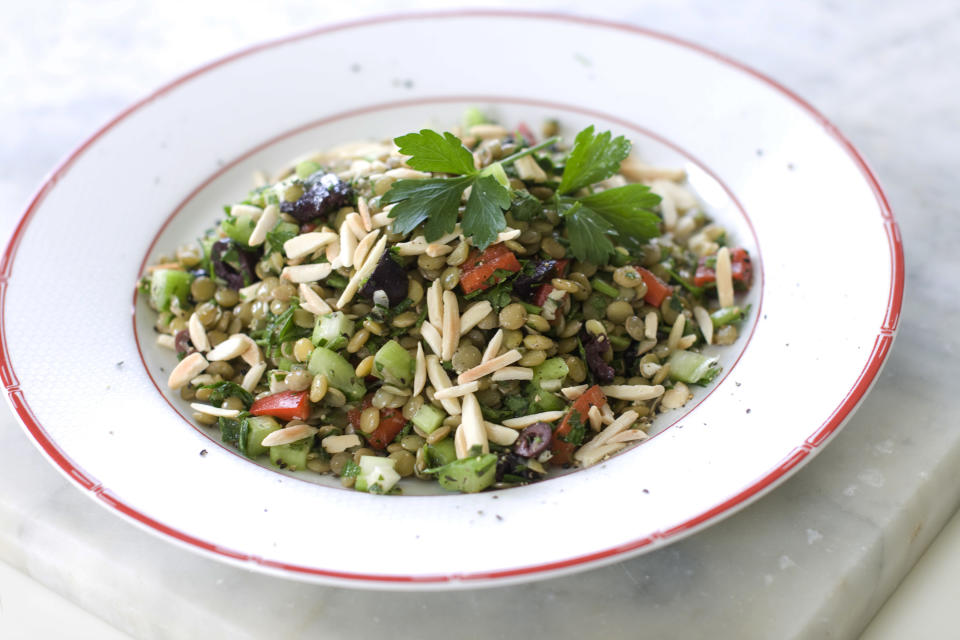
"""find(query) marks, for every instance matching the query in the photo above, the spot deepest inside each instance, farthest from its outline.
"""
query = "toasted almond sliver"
(630, 435)
(457, 391)
(509, 234)
(333, 255)
(288, 435)
(348, 245)
(501, 435)
(364, 210)
(595, 418)
(363, 247)
(637, 171)
(440, 380)
(488, 367)
(356, 225)
(246, 209)
(686, 342)
(528, 169)
(435, 250)
(472, 316)
(306, 272)
(626, 419)
(607, 413)
(269, 219)
(594, 455)
(411, 248)
(211, 410)
(676, 332)
(475, 433)
(403, 173)
(650, 326)
(512, 373)
(336, 444)
(675, 397)
(460, 442)
(526, 421)
(305, 244)
(704, 322)
(488, 131)
(420, 375)
(198, 335)
(435, 304)
(252, 356)
(204, 378)
(432, 336)
(187, 369)
(363, 272)
(634, 392)
(167, 341)
(572, 393)
(252, 377)
(724, 278)
(311, 301)
(451, 325)
(230, 348)
(381, 219)
(493, 347)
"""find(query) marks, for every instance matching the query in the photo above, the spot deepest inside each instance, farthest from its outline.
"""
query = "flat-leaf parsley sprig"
(437, 200)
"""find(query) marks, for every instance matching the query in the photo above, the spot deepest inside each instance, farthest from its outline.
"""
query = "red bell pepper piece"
(286, 405)
(391, 423)
(560, 271)
(740, 268)
(526, 133)
(562, 450)
(657, 289)
(477, 272)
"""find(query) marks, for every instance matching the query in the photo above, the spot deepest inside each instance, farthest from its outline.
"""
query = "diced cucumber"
(496, 170)
(340, 375)
(692, 367)
(167, 284)
(238, 228)
(550, 369)
(291, 456)
(541, 400)
(307, 168)
(428, 418)
(206, 243)
(258, 427)
(441, 453)
(377, 475)
(469, 475)
(473, 116)
(333, 330)
(394, 364)
(725, 316)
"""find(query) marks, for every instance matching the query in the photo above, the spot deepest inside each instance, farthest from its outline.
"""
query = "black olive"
(325, 193)
(389, 277)
(533, 440)
(594, 347)
(525, 286)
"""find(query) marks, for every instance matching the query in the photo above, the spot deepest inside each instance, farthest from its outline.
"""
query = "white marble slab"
(813, 559)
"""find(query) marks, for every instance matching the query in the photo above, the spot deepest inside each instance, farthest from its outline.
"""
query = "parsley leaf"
(592, 159)
(436, 153)
(525, 206)
(629, 210)
(434, 199)
(588, 235)
(483, 218)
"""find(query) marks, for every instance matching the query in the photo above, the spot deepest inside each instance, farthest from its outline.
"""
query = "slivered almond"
(381, 219)
(675, 397)
(363, 247)
(676, 332)
(526, 421)
(252, 356)
(267, 221)
(289, 434)
(460, 442)
(198, 335)
(528, 170)
(420, 375)
(493, 347)
(363, 272)
(411, 248)
(650, 326)
(311, 301)
(626, 419)
(512, 373)
(306, 272)
(305, 244)
(451, 325)
(724, 278)
(607, 413)
(432, 336)
(509, 234)
(435, 304)
(634, 392)
(348, 245)
(211, 410)
(364, 210)
(440, 380)
(246, 209)
(167, 341)
(187, 369)
(595, 418)
(252, 377)
(704, 322)
(355, 223)
(435, 250)
(488, 131)
(488, 367)
(594, 455)
(475, 432)
(501, 435)
(668, 210)
(637, 171)
(205, 378)
(686, 342)
(230, 348)
(337, 444)
(402, 173)
(472, 316)
(630, 435)
(572, 393)
(457, 391)
(333, 255)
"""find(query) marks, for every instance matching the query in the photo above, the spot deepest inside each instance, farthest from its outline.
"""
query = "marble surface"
(814, 559)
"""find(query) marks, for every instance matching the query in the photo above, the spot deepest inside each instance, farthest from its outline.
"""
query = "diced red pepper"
(657, 289)
(353, 415)
(540, 297)
(391, 423)
(740, 268)
(286, 405)
(477, 272)
(526, 133)
(562, 450)
(561, 269)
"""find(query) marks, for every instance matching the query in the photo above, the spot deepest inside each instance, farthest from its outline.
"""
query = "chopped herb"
(220, 391)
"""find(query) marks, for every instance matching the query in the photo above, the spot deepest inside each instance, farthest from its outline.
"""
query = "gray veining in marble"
(814, 559)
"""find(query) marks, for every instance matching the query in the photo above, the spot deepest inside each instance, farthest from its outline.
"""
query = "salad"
(470, 308)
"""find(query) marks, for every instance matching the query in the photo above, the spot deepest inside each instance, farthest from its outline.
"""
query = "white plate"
(788, 185)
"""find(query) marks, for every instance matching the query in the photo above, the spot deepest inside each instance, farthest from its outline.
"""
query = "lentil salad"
(470, 308)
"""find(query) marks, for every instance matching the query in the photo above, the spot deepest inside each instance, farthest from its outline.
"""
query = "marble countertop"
(815, 558)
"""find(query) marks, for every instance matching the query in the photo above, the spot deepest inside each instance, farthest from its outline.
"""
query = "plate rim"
(775, 475)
